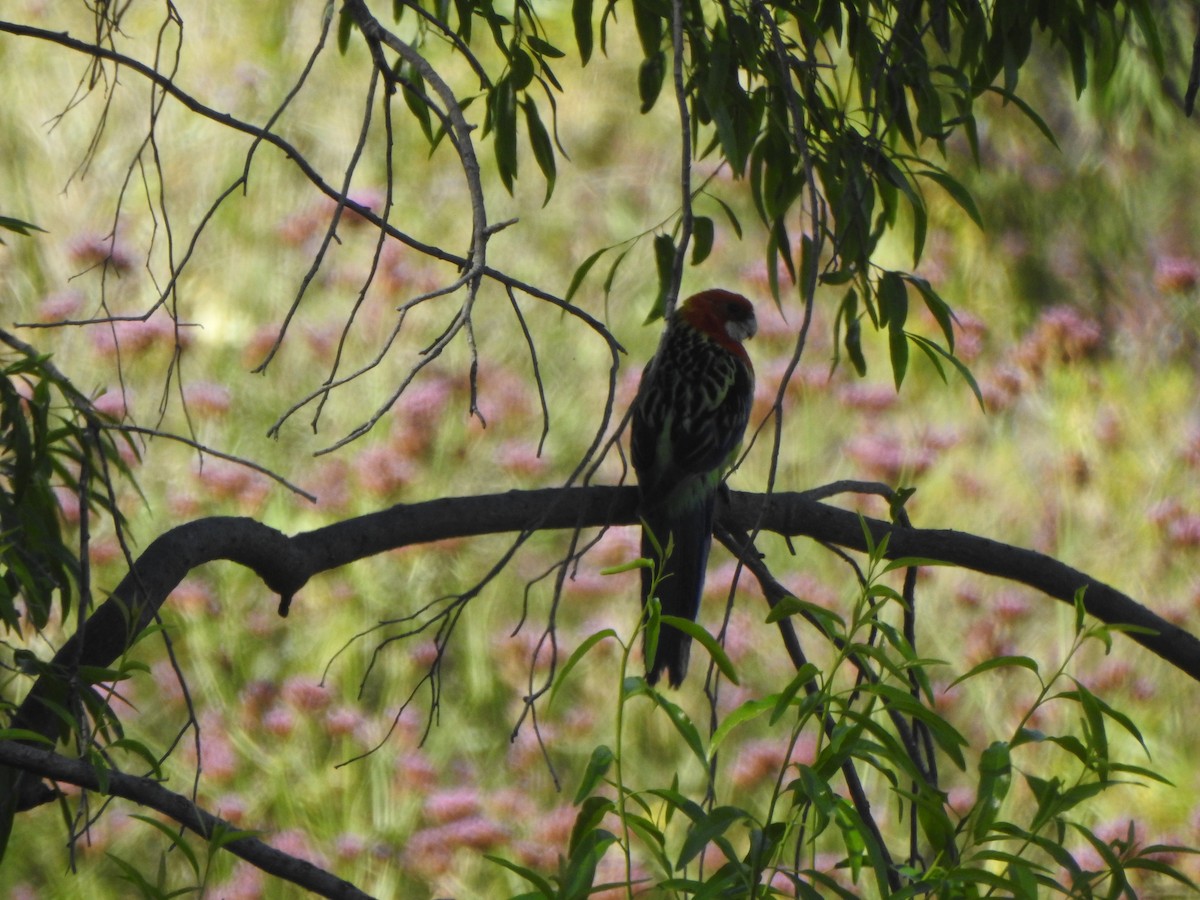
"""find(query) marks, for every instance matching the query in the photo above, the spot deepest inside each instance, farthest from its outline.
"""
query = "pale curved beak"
(743, 330)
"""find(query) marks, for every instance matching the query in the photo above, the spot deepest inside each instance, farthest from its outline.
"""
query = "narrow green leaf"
(938, 308)
(222, 835)
(907, 562)
(591, 813)
(958, 193)
(598, 765)
(995, 777)
(806, 674)
(934, 350)
(612, 270)
(651, 73)
(751, 709)
(134, 876)
(703, 234)
(544, 47)
(702, 636)
(892, 296)
(24, 734)
(19, 226)
(731, 216)
(174, 836)
(544, 887)
(791, 605)
(632, 565)
(651, 614)
(581, 17)
(520, 67)
(684, 725)
(710, 828)
(1027, 110)
(808, 265)
(1150, 864)
(581, 272)
(853, 344)
(138, 749)
(664, 263)
(579, 875)
(898, 346)
(345, 23)
(504, 124)
(542, 146)
(999, 662)
(1140, 772)
(579, 653)
(650, 27)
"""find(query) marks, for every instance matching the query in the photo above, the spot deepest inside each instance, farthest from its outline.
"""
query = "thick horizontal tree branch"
(286, 563)
(149, 793)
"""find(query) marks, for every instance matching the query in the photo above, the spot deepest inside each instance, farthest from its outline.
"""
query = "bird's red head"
(726, 317)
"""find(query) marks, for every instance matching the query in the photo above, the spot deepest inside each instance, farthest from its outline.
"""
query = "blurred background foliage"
(1076, 305)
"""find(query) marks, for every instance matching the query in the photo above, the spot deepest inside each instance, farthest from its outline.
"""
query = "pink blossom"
(1164, 512)
(1176, 274)
(68, 504)
(451, 804)
(93, 250)
(520, 457)
(350, 846)
(137, 335)
(207, 398)
(867, 397)
(342, 720)
(415, 769)
(231, 807)
(220, 762)
(306, 693)
(64, 304)
(295, 842)
(539, 857)
(969, 334)
(195, 596)
(960, 799)
(246, 883)
(104, 550)
(279, 721)
(475, 833)
(554, 827)
(1010, 607)
(1184, 530)
(426, 852)
(1060, 334)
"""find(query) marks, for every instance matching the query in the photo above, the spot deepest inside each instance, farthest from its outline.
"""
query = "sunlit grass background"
(1077, 315)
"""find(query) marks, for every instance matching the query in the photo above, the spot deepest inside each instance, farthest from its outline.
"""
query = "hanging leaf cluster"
(833, 114)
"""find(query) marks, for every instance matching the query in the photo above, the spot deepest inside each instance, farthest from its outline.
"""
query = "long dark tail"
(682, 582)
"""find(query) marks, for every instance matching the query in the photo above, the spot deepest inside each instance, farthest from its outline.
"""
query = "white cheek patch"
(742, 331)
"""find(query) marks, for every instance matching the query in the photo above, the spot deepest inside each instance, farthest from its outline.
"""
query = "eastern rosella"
(689, 416)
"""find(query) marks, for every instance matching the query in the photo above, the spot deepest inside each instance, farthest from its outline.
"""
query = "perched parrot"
(689, 415)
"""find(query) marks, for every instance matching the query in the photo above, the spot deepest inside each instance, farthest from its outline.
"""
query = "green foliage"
(50, 439)
(830, 116)
(834, 103)
(872, 710)
(7, 223)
